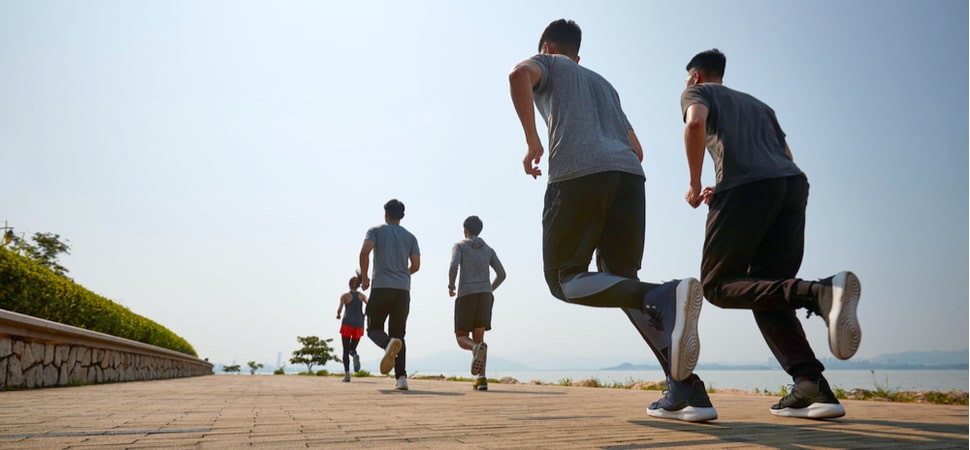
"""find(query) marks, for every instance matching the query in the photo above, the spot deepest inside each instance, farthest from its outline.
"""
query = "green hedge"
(27, 287)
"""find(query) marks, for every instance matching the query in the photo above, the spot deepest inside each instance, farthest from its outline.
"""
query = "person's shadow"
(839, 433)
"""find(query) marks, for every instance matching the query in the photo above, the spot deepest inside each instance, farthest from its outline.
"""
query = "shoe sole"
(685, 344)
(387, 363)
(688, 414)
(478, 358)
(845, 335)
(813, 411)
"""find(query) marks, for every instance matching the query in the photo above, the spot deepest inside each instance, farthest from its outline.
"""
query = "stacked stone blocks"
(36, 353)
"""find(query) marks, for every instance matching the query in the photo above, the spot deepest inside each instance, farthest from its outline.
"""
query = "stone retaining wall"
(38, 353)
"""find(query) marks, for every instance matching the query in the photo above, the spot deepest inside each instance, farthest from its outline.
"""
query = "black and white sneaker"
(684, 400)
(836, 303)
(674, 308)
(809, 399)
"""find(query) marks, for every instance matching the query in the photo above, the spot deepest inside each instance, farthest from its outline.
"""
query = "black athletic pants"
(752, 252)
(391, 306)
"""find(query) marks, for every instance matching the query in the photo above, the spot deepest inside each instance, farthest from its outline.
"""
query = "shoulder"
(407, 233)
(698, 93)
(376, 229)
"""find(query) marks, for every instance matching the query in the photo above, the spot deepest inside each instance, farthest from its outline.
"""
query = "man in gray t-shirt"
(396, 258)
(594, 203)
(755, 234)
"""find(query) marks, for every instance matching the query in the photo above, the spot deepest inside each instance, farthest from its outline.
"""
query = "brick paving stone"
(267, 411)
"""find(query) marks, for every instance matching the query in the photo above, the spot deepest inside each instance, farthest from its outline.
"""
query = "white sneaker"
(390, 353)
(837, 305)
(402, 383)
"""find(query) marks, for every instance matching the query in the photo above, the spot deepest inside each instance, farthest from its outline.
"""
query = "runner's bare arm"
(522, 80)
(695, 141)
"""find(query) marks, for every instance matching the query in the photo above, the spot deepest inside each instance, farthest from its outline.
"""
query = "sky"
(214, 165)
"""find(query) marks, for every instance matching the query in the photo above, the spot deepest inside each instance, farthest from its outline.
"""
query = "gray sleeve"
(499, 270)
(544, 62)
(692, 95)
(453, 269)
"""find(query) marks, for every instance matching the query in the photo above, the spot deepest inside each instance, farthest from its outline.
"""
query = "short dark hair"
(565, 34)
(709, 62)
(394, 209)
(473, 224)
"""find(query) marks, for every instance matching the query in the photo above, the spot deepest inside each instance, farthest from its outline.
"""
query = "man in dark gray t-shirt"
(594, 203)
(755, 234)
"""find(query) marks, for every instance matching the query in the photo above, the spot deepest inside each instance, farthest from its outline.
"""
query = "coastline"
(880, 393)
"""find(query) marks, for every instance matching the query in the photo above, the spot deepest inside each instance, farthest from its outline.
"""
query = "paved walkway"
(266, 411)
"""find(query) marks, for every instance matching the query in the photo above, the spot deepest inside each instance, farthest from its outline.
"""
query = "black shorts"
(602, 213)
(473, 311)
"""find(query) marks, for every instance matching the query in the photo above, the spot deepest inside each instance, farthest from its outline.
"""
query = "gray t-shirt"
(743, 136)
(588, 131)
(393, 247)
(475, 257)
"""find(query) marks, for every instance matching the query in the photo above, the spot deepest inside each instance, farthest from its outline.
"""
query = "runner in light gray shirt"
(473, 307)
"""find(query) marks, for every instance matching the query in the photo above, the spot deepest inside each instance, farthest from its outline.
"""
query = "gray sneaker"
(479, 353)
(356, 363)
(346, 377)
(836, 304)
(402, 383)
(684, 400)
(674, 308)
(811, 400)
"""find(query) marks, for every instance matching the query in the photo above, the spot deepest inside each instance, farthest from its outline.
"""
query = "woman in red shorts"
(352, 327)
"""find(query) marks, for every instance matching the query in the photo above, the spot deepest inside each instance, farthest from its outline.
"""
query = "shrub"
(26, 287)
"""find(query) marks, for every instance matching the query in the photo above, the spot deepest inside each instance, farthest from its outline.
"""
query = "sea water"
(750, 380)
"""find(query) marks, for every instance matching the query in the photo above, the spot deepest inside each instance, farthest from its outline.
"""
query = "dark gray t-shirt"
(393, 247)
(743, 136)
(588, 131)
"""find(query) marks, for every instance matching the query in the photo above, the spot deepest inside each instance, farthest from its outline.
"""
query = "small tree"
(231, 369)
(315, 351)
(253, 367)
(46, 251)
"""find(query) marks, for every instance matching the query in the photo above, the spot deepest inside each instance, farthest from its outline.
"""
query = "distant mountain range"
(915, 360)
